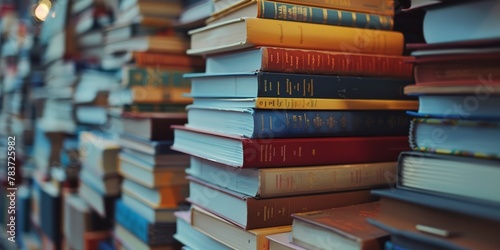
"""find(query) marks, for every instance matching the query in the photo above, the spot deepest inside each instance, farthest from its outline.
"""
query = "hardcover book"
(152, 125)
(159, 197)
(301, 61)
(302, 13)
(251, 213)
(344, 227)
(249, 32)
(443, 223)
(285, 85)
(254, 153)
(261, 123)
(289, 181)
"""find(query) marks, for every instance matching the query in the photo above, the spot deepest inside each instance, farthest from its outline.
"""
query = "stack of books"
(449, 181)
(287, 118)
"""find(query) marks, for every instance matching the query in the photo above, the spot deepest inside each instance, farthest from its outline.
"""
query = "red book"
(275, 152)
(145, 59)
(300, 61)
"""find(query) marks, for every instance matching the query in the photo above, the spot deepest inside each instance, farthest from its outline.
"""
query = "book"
(303, 13)
(477, 22)
(154, 107)
(144, 145)
(344, 227)
(151, 177)
(305, 103)
(255, 153)
(289, 181)
(155, 13)
(158, 197)
(482, 107)
(301, 61)
(128, 30)
(150, 161)
(370, 6)
(286, 85)
(98, 152)
(154, 76)
(248, 32)
(92, 239)
(251, 213)
(194, 14)
(51, 206)
(145, 59)
(468, 179)
(282, 241)
(452, 136)
(153, 215)
(150, 233)
(103, 205)
(150, 125)
(267, 123)
(186, 234)
(439, 221)
(456, 89)
(108, 184)
(154, 43)
(231, 235)
(127, 240)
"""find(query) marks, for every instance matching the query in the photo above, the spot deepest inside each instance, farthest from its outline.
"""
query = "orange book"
(160, 197)
(249, 32)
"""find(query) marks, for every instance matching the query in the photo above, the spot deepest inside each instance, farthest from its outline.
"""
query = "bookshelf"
(210, 124)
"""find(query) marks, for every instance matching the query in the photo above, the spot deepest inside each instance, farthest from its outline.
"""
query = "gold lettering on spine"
(353, 19)
(261, 153)
(270, 123)
(368, 24)
(262, 122)
(339, 16)
(325, 15)
(304, 88)
(278, 88)
(283, 152)
(265, 213)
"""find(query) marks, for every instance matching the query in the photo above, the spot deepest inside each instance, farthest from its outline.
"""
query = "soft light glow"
(42, 10)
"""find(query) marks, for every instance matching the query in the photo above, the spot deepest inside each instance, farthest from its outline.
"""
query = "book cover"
(243, 152)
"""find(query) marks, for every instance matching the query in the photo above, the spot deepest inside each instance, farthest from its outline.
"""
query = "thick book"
(98, 151)
(153, 215)
(153, 43)
(127, 240)
(385, 7)
(262, 123)
(150, 161)
(249, 32)
(289, 181)
(158, 197)
(286, 85)
(251, 213)
(464, 21)
(144, 145)
(106, 185)
(464, 106)
(301, 61)
(151, 233)
(439, 221)
(230, 235)
(103, 205)
(282, 241)
(297, 103)
(144, 59)
(454, 137)
(472, 179)
(128, 30)
(254, 153)
(154, 107)
(151, 125)
(303, 13)
(189, 236)
(154, 76)
(151, 176)
(464, 88)
(345, 227)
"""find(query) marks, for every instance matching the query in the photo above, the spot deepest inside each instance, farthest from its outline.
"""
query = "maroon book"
(275, 152)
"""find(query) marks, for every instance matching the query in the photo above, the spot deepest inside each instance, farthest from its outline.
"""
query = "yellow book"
(249, 32)
(231, 235)
(306, 103)
(170, 94)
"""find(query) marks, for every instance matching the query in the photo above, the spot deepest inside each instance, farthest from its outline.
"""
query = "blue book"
(105, 245)
(260, 123)
(286, 85)
(150, 233)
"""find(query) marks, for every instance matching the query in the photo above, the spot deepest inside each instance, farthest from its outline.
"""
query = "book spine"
(132, 221)
(333, 104)
(334, 63)
(145, 59)
(385, 7)
(264, 213)
(311, 180)
(148, 94)
(323, 86)
(278, 33)
(156, 77)
(154, 107)
(300, 123)
(341, 150)
(481, 73)
(301, 13)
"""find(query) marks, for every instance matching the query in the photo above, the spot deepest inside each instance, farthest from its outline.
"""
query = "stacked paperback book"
(300, 108)
(446, 187)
